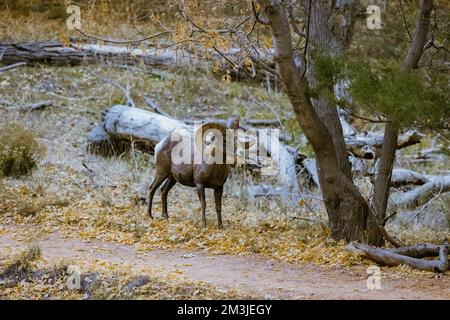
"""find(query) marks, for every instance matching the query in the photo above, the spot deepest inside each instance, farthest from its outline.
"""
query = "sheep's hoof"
(166, 216)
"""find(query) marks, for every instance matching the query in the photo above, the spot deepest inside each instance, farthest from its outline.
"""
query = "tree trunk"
(382, 184)
(347, 209)
(321, 37)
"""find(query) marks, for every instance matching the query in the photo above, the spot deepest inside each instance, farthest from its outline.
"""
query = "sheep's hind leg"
(151, 192)
(170, 182)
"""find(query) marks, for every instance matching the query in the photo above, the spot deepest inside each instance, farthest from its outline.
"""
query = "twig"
(73, 98)
(126, 91)
(305, 51)
(136, 41)
(364, 118)
(305, 219)
(262, 122)
(11, 66)
(404, 19)
(258, 17)
(389, 217)
(292, 21)
(29, 107)
(426, 204)
(184, 14)
(394, 241)
(251, 75)
(242, 22)
(268, 106)
(155, 106)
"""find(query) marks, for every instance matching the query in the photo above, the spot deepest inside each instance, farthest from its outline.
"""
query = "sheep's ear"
(233, 122)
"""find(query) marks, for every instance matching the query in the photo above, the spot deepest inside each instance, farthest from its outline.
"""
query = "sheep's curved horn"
(246, 144)
(199, 133)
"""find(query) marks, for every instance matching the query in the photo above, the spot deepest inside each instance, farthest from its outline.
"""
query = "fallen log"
(430, 154)
(124, 125)
(246, 124)
(402, 176)
(29, 106)
(369, 147)
(311, 167)
(75, 53)
(55, 52)
(389, 257)
(422, 193)
(417, 251)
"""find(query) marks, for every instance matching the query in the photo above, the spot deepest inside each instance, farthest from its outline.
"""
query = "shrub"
(19, 151)
(20, 266)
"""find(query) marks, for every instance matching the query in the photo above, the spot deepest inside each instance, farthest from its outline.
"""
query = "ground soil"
(249, 274)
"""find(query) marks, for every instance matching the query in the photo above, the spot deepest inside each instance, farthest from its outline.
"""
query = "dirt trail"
(249, 274)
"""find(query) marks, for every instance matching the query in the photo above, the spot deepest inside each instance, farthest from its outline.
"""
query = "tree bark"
(401, 256)
(54, 52)
(347, 209)
(382, 184)
(322, 37)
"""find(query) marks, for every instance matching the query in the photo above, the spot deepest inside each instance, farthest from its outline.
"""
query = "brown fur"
(200, 176)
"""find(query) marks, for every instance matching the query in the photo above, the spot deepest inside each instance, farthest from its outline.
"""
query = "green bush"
(19, 151)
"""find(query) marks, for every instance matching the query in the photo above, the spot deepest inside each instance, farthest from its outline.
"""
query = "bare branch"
(155, 106)
(364, 118)
(305, 51)
(136, 41)
(28, 107)
(292, 21)
(126, 91)
(258, 17)
(391, 258)
(12, 66)
(404, 20)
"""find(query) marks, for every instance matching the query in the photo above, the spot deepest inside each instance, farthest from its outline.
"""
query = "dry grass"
(19, 267)
(34, 20)
(19, 150)
(28, 277)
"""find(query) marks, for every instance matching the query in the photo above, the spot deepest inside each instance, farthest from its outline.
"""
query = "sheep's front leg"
(201, 197)
(218, 200)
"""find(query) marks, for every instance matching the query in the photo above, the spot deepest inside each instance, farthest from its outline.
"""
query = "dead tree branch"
(400, 256)
(12, 66)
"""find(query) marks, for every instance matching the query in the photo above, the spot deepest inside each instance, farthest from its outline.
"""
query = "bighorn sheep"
(199, 175)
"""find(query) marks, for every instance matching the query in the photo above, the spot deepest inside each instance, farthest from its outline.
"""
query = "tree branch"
(136, 41)
(12, 66)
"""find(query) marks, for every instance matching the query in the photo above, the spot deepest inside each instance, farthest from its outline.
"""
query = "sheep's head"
(222, 140)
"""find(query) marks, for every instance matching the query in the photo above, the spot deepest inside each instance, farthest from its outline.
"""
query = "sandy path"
(249, 274)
